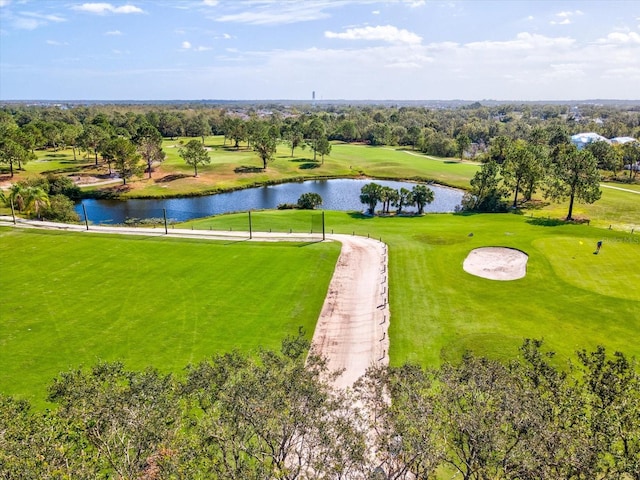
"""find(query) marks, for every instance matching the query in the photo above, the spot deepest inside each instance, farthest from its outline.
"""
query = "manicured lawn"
(70, 299)
(570, 297)
(232, 168)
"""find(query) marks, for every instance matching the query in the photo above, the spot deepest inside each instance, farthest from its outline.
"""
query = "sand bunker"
(496, 263)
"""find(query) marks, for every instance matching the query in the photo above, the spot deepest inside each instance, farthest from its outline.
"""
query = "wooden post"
(86, 220)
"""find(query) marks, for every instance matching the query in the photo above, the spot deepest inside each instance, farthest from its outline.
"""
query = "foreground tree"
(126, 417)
(194, 154)
(272, 417)
(574, 176)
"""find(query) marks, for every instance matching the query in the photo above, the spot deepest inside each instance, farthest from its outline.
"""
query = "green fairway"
(570, 297)
(72, 299)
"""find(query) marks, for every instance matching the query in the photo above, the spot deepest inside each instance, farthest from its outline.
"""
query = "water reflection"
(337, 194)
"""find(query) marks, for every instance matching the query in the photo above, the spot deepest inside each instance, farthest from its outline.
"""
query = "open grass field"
(570, 297)
(76, 298)
(71, 299)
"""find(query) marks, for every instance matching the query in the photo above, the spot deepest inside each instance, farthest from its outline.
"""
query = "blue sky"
(341, 49)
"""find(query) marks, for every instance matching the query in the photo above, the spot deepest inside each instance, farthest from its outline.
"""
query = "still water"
(337, 194)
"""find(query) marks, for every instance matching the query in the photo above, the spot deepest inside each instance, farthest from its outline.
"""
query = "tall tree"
(149, 143)
(404, 198)
(11, 151)
(91, 138)
(486, 193)
(194, 154)
(574, 176)
(462, 143)
(265, 142)
(519, 165)
(125, 157)
(294, 135)
(315, 131)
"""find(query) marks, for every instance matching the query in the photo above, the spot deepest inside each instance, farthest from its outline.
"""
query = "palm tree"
(422, 195)
(370, 195)
(28, 199)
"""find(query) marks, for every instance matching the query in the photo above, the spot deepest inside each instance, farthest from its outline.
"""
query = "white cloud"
(45, 18)
(564, 17)
(104, 8)
(56, 43)
(567, 14)
(386, 33)
(113, 33)
(620, 38)
(4, 3)
(376, 12)
(415, 3)
(186, 45)
(210, 3)
(202, 48)
(226, 36)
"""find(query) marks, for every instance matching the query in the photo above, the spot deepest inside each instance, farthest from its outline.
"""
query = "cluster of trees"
(275, 415)
(374, 193)
(521, 167)
(49, 197)
(445, 132)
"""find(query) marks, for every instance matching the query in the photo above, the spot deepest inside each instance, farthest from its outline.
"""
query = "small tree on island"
(309, 201)
(195, 154)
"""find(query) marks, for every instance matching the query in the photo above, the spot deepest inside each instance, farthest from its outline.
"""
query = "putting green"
(609, 272)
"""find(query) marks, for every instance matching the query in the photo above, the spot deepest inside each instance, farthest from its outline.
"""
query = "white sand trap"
(496, 263)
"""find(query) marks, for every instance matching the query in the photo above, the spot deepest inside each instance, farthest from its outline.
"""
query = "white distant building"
(622, 140)
(581, 140)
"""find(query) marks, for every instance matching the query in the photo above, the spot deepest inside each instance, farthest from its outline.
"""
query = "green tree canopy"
(194, 154)
(574, 176)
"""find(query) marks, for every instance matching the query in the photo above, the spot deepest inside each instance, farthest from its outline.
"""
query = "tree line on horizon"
(274, 415)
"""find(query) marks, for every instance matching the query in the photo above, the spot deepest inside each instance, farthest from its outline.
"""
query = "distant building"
(581, 140)
(622, 140)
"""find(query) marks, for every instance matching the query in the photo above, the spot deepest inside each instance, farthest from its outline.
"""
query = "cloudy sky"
(341, 49)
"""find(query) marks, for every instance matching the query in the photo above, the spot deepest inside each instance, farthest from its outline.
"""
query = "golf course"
(73, 299)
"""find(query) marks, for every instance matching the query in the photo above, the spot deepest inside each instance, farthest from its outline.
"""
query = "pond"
(337, 194)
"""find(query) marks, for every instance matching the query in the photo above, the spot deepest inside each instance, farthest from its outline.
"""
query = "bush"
(60, 209)
(287, 206)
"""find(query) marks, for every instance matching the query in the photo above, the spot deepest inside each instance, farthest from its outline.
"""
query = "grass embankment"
(570, 297)
(72, 299)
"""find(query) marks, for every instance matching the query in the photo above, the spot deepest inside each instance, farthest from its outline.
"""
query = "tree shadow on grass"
(546, 222)
(309, 166)
(247, 169)
(172, 177)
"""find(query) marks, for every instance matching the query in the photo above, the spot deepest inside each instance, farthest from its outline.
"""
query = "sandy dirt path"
(351, 331)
